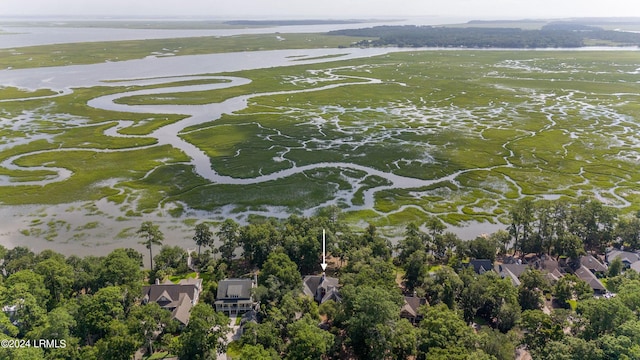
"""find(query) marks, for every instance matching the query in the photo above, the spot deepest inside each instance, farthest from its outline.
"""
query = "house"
(587, 276)
(627, 257)
(593, 264)
(321, 288)
(410, 308)
(249, 317)
(234, 296)
(546, 263)
(178, 298)
(480, 266)
(511, 271)
(554, 275)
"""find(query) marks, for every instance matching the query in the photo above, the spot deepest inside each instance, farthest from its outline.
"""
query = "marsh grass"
(9, 92)
(514, 124)
(97, 52)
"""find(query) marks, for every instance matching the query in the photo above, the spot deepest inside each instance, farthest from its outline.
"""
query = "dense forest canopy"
(94, 305)
(553, 35)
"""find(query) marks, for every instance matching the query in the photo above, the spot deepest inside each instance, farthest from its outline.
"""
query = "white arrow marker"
(324, 262)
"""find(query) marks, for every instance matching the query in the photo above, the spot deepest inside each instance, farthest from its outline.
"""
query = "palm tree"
(152, 235)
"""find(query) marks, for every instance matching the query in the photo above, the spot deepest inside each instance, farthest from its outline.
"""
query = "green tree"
(258, 241)
(58, 279)
(363, 268)
(443, 328)
(18, 258)
(96, 312)
(171, 260)
(619, 347)
(26, 353)
(29, 311)
(148, 323)
(58, 324)
(482, 248)
(415, 270)
(603, 316)
(6, 326)
(380, 246)
(502, 239)
(497, 344)
(307, 340)
(530, 292)
(85, 273)
(152, 236)
(205, 335)
(203, 236)
(627, 232)
(443, 286)
(486, 296)
(593, 223)
(563, 290)
(629, 294)
(229, 236)
(414, 240)
(120, 267)
(368, 315)
(571, 348)
(404, 340)
(522, 217)
(279, 266)
(265, 334)
(539, 329)
(258, 352)
(32, 281)
(118, 344)
(615, 267)
(569, 245)
(328, 309)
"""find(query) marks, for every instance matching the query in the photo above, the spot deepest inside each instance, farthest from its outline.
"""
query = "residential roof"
(546, 263)
(177, 298)
(516, 269)
(554, 275)
(321, 287)
(625, 256)
(635, 266)
(511, 271)
(481, 266)
(234, 289)
(592, 263)
(182, 311)
(411, 305)
(587, 276)
(191, 281)
(168, 293)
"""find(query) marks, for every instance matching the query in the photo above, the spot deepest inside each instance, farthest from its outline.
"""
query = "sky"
(336, 9)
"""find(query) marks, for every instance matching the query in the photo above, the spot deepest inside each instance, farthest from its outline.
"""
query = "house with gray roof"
(627, 257)
(511, 271)
(234, 296)
(480, 266)
(177, 298)
(587, 276)
(593, 264)
(410, 308)
(321, 288)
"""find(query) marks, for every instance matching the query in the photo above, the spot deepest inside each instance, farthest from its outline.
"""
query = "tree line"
(94, 302)
(552, 36)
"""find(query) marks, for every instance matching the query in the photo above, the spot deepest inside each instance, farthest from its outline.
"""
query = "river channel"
(157, 70)
(153, 70)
